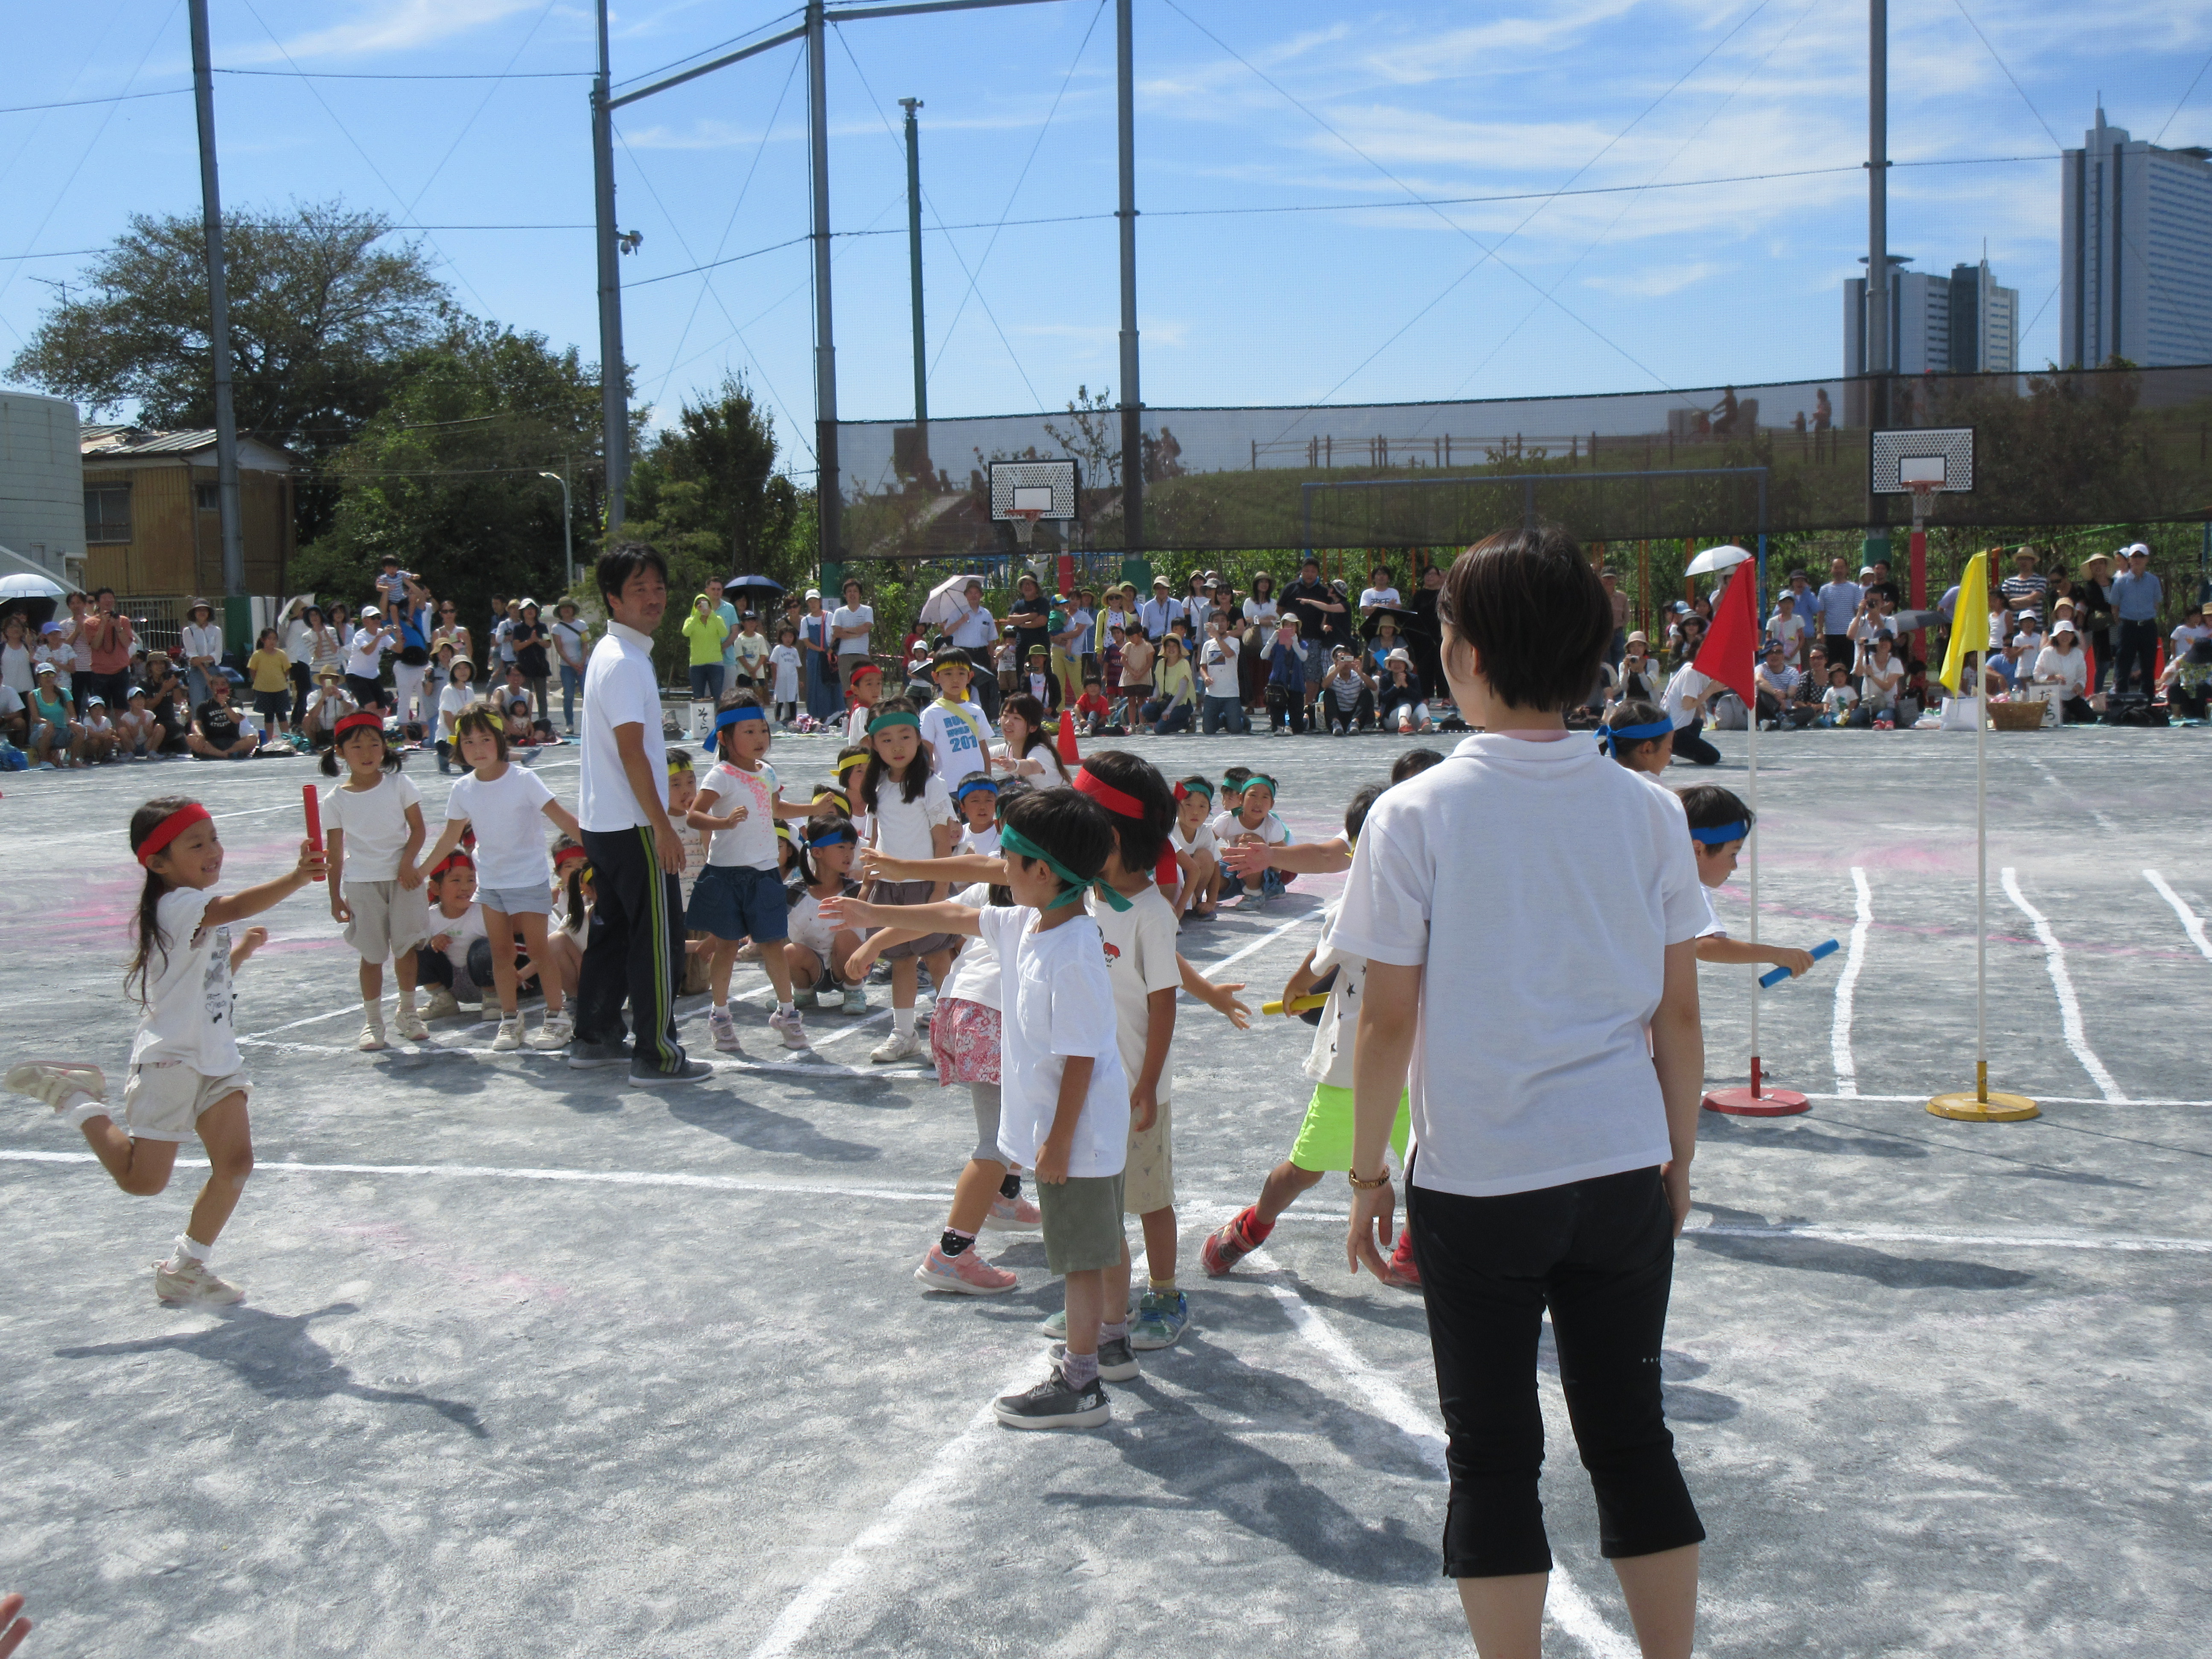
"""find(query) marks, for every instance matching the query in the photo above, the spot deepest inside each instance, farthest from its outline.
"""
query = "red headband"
(568, 855)
(169, 828)
(451, 859)
(353, 722)
(1112, 799)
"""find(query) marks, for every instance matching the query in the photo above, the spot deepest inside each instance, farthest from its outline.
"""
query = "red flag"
(1729, 655)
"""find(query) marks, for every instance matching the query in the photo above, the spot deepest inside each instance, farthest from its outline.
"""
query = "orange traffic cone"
(1063, 744)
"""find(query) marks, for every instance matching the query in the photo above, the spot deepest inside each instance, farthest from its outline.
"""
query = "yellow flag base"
(1988, 1106)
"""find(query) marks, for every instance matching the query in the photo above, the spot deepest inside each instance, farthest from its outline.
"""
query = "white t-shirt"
(900, 828)
(1261, 611)
(1683, 692)
(956, 750)
(375, 825)
(1712, 929)
(1838, 701)
(856, 723)
(2070, 669)
(983, 843)
(1203, 840)
(460, 932)
(619, 689)
(786, 659)
(846, 616)
(1228, 827)
(750, 843)
(976, 975)
(508, 815)
(1217, 660)
(1379, 596)
(1141, 959)
(453, 703)
(364, 655)
(1330, 1061)
(205, 640)
(1058, 1004)
(187, 1013)
(1531, 1068)
(1790, 630)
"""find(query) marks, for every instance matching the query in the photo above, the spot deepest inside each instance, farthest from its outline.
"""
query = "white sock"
(723, 1007)
(786, 1009)
(373, 1008)
(191, 1249)
(902, 1021)
(406, 998)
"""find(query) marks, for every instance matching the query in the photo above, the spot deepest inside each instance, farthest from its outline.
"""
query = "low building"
(153, 525)
(41, 486)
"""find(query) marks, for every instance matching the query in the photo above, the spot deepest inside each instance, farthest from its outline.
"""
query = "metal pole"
(1752, 789)
(828, 500)
(1877, 305)
(614, 382)
(1132, 417)
(914, 271)
(568, 522)
(226, 420)
(1981, 859)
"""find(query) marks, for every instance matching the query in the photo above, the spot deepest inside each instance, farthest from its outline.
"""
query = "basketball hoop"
(1024, 521)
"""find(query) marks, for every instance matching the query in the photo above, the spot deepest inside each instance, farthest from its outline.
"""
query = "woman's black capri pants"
(1600, 1254)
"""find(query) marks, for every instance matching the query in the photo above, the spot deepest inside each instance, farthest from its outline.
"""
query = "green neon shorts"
(1324, 1139)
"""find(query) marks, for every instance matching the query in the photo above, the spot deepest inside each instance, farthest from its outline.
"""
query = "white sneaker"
(792, 1025)
(510, 1035)
(899, 1045)
(555, 1032)
(722, 1027)
(409, 1024)
(191, 1281)
(58, 1083)
(371, 1036)
(440, 1004)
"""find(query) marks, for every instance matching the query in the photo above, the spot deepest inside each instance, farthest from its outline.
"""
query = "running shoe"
(722, 1026)
(1227, 1245)
(1160, 1320)
(440, 1004)
(1052, 1404)
(1115, 1362)
(409, 1024)
(965, 1274)
(643, 1076)
(371, 1037)
(59, 1082)
(189, 1282)
(806, 999)
(855, 1001)
(899, 1045)
(793, 1028)
(554, 1033)
(1013, 1215)
(1400, 1270)
(510, 1038)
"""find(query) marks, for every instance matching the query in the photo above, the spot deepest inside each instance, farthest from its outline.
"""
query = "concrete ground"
(534, 1364)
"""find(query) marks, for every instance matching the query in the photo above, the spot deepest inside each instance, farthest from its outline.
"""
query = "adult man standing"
(1155, 614)
(111, 638)
(2135, 596)
(1313, 603)
(1836, 603)
(850, 625)
(1613, 597)
(975, 632)
(728, 613)
(2024, 590)
(637, 942)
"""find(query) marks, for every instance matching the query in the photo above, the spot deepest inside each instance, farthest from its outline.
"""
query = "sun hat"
(44, 668)
(199, 604)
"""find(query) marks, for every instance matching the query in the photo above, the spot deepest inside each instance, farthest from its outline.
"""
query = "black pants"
(302, 684)
(1287, 706)
(2100, 658)
(1689, 746)
(437, 967)
(1839, 649)
(2138, 645)
(1600, 1256)
(636, 950)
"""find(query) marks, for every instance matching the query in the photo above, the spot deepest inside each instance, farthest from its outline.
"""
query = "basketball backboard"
(1911, 458)
(1050, 489)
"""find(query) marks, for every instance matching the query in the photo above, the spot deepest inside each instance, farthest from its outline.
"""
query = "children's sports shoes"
(805, 998)
(1401, 1272)
(792, 1027)
(371, 1036)
(409, 1024)
(75, 1091)
(554, 1033)
(965, 1274)
(189, 1282)
(1227, 1245)
(509, 1040)
(722, 1026)
(440, 1004)
(899, 1045)
(1115, 1362)
(1013, 1215)
(1053, 1404)
(1160, 1320)
(1054, 1326)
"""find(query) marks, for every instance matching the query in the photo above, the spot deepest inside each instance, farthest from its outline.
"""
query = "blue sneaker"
(1160, 1320)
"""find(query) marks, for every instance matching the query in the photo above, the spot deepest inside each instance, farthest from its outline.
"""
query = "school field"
(532, 1363)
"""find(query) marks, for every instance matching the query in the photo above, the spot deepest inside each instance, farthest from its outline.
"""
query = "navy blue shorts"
(732, 901)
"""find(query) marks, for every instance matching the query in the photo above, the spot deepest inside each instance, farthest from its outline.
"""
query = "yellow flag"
(1970, 620)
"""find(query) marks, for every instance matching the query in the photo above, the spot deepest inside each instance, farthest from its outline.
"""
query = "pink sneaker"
(1013, 1215)
(965, 1274)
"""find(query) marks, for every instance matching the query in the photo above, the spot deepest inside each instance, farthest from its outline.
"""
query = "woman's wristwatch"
(1382, 1180)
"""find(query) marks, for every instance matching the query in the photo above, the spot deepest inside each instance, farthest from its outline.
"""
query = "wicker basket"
(2016, 716)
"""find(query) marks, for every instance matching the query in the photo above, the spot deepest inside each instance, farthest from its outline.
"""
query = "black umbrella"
(1411, 624)
(766, 584)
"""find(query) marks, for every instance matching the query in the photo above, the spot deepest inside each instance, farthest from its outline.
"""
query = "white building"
(41, 486)
(2136, 252)
(1962, 324)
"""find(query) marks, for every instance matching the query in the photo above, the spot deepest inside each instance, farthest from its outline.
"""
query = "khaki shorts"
(1082, 1223)
(1148, 1177)
(388, 919)
(164, 1101)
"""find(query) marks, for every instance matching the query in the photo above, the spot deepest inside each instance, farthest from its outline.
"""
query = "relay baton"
(314, 804)
(1766, 981)
(1296, 1006)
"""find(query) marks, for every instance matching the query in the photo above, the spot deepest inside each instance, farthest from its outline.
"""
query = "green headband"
(1013, 841)
(898, 717)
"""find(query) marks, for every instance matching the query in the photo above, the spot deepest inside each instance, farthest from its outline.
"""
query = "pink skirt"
(963, 1040)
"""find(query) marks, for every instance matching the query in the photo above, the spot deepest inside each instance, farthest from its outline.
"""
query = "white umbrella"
(937, 608)
(1713, 559)
(24, 586)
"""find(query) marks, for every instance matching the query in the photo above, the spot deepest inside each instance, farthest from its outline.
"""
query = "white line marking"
(1847, 985)
(1564, 1600)
(924, 1491)
(1268, 938)
(2070, 1009)
(2044, 1100)
(2191, 923)
(2095, 811)
(720, 1063)
(2003, 1241)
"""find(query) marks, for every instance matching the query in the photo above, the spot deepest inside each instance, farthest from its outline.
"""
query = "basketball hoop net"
(1921, 492)
(1024, 521)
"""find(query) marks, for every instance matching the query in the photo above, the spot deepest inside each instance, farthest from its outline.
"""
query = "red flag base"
(1768, 1103)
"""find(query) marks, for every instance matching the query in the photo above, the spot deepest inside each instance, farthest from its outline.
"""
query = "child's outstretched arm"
(960, 869)
(840, 912)
(252, 900)
(1715, 947)
(1304, 857)
(1300, 982)
(1222, 998)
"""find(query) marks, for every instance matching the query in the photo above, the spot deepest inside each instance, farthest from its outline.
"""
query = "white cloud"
(391, 25)
(1654, 280)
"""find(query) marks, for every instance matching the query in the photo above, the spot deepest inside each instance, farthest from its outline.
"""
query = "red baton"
(314, 804)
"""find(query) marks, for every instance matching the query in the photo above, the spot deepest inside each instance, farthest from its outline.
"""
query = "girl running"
(185, 1074)
(376, 818)
(507, 806)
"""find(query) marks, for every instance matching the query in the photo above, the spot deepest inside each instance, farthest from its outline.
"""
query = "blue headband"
(969, 785)
(730, 717)
(835, 838)
(1610, 737)
(1721, 833)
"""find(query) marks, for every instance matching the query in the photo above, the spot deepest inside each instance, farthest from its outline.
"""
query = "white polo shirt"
(619, 689)
(1539, 885)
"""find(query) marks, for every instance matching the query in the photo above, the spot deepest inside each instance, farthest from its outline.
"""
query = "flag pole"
(1751, 789)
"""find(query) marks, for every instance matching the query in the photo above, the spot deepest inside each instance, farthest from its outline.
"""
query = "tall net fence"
(2108, 447)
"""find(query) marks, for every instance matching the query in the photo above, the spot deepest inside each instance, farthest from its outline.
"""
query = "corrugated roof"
(142, 441)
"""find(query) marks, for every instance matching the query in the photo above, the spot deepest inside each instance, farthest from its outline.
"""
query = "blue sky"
(1343, 113)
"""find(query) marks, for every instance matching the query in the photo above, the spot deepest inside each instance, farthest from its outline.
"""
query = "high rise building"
(2136, 252)
(1962, 324)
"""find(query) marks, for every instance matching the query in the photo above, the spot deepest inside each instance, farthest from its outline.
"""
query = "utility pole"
(1133, 412)
(226, 420)
(913, 267)
(568, 522)
(826, 498)
(1878, 318)
(614, 389)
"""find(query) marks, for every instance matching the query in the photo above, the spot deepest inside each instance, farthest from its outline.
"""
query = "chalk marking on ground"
(1847, 985)
(2069, 1008)
(930, 1487)
(1266, 939)
(2042, 1099)
(1564, 1600)
(2095, 811)
(2191, 923)
(720, 1063)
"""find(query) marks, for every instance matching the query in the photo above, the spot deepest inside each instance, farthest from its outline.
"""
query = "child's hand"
(314, 864)
(340, 910)
(440, 941)
(1052, 1163)
(409, 877)
(840, 912)
(1143, 1107)
(1222, 1000)
(1796, 960)
(251, 941)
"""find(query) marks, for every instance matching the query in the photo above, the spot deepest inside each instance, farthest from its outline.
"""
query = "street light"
(568, 547)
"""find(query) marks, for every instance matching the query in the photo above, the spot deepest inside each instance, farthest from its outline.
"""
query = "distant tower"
(1962, 324)
(2136, 247)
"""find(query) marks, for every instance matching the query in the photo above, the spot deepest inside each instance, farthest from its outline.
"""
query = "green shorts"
(1082, 1223)
(1324, 1139)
